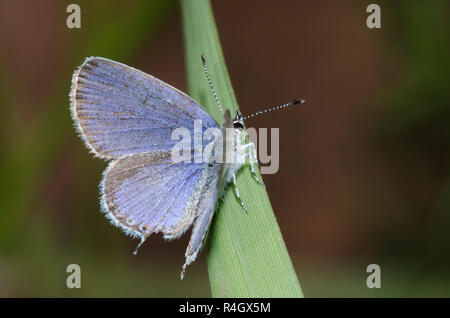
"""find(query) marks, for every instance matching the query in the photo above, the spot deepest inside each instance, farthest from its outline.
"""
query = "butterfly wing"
(208, 187)
(148, 193)
(119, 110)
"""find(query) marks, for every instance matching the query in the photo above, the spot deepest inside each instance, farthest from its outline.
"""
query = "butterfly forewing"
(119, 110)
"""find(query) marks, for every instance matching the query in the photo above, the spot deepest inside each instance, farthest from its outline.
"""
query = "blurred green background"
(364, 167)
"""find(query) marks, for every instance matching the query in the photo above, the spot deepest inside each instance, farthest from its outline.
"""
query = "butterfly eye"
(238, 125)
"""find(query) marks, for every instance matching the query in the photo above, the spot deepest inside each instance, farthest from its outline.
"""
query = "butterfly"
(128, 117)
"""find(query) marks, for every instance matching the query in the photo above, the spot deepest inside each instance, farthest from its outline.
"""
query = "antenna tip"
(298, 101)
(203, 59)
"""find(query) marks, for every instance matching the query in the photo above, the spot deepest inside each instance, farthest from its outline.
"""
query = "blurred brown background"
(364, 165)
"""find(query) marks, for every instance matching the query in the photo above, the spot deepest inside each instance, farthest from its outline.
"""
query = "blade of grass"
(246, 254)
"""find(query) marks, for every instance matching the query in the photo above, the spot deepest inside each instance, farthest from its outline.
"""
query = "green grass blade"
(246, 254)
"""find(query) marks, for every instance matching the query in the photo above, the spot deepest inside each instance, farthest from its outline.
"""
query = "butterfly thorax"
(234, 146)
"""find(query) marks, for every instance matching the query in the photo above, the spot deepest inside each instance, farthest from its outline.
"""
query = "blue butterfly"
(127, 116)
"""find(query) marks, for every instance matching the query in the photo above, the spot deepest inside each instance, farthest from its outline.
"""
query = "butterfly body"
(126, 116)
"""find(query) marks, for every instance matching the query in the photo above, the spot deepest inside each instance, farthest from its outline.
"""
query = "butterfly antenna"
(292, 103)
(205, 69)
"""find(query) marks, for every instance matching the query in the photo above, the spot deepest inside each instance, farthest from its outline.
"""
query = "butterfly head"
(238, 121)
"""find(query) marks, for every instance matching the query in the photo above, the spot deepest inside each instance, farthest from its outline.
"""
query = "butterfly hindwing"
(208, 188)
(147, 193)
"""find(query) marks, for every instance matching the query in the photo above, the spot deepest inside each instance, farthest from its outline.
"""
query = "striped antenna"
(292, 103)
(205, 69)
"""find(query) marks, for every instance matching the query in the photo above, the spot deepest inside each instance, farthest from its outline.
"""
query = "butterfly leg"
(253, 160)
(236, 191)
